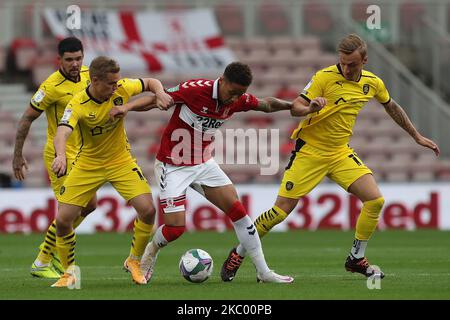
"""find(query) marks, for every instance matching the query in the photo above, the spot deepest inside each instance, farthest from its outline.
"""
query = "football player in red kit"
(184, 159)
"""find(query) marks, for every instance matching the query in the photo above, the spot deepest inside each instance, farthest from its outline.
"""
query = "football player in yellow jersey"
(331, 102)
(103, 157)
(53, 95)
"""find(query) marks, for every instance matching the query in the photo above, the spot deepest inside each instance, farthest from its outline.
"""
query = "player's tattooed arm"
(19, 162)
(399, 115)
(271, 104)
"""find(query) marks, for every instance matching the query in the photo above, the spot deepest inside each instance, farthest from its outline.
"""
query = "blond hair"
(101, 66)
(351, 43)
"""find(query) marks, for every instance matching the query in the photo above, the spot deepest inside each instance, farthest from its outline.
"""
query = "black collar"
(340, 71)
(91, 97)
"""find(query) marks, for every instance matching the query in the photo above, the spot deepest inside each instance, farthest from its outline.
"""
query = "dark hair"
(101, 66)
(70, 44)
(240, 73)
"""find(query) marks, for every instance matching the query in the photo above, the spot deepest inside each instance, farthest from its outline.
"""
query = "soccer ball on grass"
(196, 265)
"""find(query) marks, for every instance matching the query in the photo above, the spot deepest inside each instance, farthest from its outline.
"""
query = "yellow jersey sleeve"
(382, 94)
(70, 117)
(132, 87)
(314, 88)
(43, 97)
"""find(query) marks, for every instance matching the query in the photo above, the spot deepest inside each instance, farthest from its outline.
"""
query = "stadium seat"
(230, 17)
(317, 17)
(24, 51)
(273, 18)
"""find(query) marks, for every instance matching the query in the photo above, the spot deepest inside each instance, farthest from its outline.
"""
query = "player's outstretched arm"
(163, 100)
(301, 107)
(271, 104)
(19, 162)
(399, 115)
(144, 103)
(59, 165)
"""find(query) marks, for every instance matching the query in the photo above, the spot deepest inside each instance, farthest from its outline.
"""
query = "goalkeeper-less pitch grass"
(416, 264)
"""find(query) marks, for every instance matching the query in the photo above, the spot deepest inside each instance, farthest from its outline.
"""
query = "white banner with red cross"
(146, 42)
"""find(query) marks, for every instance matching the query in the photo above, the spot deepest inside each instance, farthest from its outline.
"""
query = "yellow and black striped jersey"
(104, 141)
(332, 127)
(52, 97)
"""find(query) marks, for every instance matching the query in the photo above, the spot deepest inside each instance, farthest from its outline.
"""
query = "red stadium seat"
(273, 18)
(230, 18)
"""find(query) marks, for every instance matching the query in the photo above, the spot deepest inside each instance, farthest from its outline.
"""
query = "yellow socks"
(66, 249)
(269, 219)
(49, 245)
(142, 233)
(368, 219)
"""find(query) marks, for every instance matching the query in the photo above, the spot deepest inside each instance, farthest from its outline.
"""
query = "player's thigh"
(56, 182)
(173, 182)
(350, 172)
(128, 180)
(215, 186)
(304, 172)
(80, 186)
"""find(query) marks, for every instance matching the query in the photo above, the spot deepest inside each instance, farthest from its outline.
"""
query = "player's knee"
(146, 212)
(172, 233)
(375, 206)
(91, 206)
(63, 226)
(237, 211)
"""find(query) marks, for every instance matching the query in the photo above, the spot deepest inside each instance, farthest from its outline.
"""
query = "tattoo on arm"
(22, 133)
(272, 104)
(263, 105)
(399, 115)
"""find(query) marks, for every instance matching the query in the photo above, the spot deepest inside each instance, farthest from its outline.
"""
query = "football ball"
(196, 265)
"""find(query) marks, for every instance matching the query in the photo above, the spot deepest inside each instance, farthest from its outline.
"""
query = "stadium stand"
(282, 66)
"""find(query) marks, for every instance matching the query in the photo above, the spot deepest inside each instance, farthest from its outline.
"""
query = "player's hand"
(19, 167)
(317, 104)
(163, 100)
(428, 143)
(118, 112)
(59, 166)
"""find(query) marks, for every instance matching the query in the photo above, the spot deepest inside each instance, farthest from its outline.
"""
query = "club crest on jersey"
(62, 190)
(366, 88)
(170, 203)
(289, 185)
(118, 101)
(204, 110)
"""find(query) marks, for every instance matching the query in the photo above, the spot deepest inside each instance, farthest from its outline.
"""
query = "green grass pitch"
(417, 266)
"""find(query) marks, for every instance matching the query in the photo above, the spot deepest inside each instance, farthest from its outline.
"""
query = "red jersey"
(187, 139)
